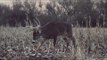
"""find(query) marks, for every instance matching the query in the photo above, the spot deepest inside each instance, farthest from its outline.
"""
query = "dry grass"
(15, 43)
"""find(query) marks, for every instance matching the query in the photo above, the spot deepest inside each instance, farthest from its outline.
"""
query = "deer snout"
(33, 41)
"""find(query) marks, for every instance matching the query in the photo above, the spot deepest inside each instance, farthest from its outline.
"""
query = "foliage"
(84, 13)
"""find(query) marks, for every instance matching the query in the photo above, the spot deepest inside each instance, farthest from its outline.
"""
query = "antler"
(37, 22)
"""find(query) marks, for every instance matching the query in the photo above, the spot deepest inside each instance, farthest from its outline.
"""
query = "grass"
(15, 43)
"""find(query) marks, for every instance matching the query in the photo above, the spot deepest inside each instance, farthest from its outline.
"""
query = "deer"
(52, 30)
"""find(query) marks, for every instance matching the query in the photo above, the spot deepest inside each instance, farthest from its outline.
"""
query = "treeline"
(83, 13)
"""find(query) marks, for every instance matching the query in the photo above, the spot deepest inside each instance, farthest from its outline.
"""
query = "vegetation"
(85, 13)
(88, 18)
(16, 43)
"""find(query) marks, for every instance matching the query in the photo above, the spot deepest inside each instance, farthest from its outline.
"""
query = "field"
(16, 44)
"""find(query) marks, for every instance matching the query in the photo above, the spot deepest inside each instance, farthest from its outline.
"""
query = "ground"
(15, 44)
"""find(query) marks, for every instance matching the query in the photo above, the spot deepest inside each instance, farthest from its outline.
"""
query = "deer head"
(36, 29)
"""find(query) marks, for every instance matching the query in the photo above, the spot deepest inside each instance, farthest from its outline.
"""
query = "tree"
(68, 9)
(23, 13)
(5, 12)
(83, 10)
(54, 11)
(79, 11)
(102, 10)
(17, 16)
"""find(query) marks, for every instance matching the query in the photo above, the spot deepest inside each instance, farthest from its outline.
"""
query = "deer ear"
(40, 31)
(34, 29)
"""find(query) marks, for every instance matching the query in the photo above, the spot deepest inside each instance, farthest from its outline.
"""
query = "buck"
(52, 30)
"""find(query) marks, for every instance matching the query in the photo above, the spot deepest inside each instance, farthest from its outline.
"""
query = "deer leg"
(73, 41)
(75, 47)
(49, 46)
(65, 39)
(41, 44)
(67, 42)
(54, 44)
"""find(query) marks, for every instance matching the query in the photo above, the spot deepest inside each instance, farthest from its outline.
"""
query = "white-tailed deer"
(52, 30)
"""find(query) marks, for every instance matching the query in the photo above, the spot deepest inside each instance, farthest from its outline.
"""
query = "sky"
(9, 2)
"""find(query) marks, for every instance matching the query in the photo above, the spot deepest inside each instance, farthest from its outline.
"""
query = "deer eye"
(37, 32)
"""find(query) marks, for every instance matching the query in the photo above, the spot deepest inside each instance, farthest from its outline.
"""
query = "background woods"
(85, 13)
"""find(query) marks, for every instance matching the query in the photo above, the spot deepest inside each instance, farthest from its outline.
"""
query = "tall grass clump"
(92, 42)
